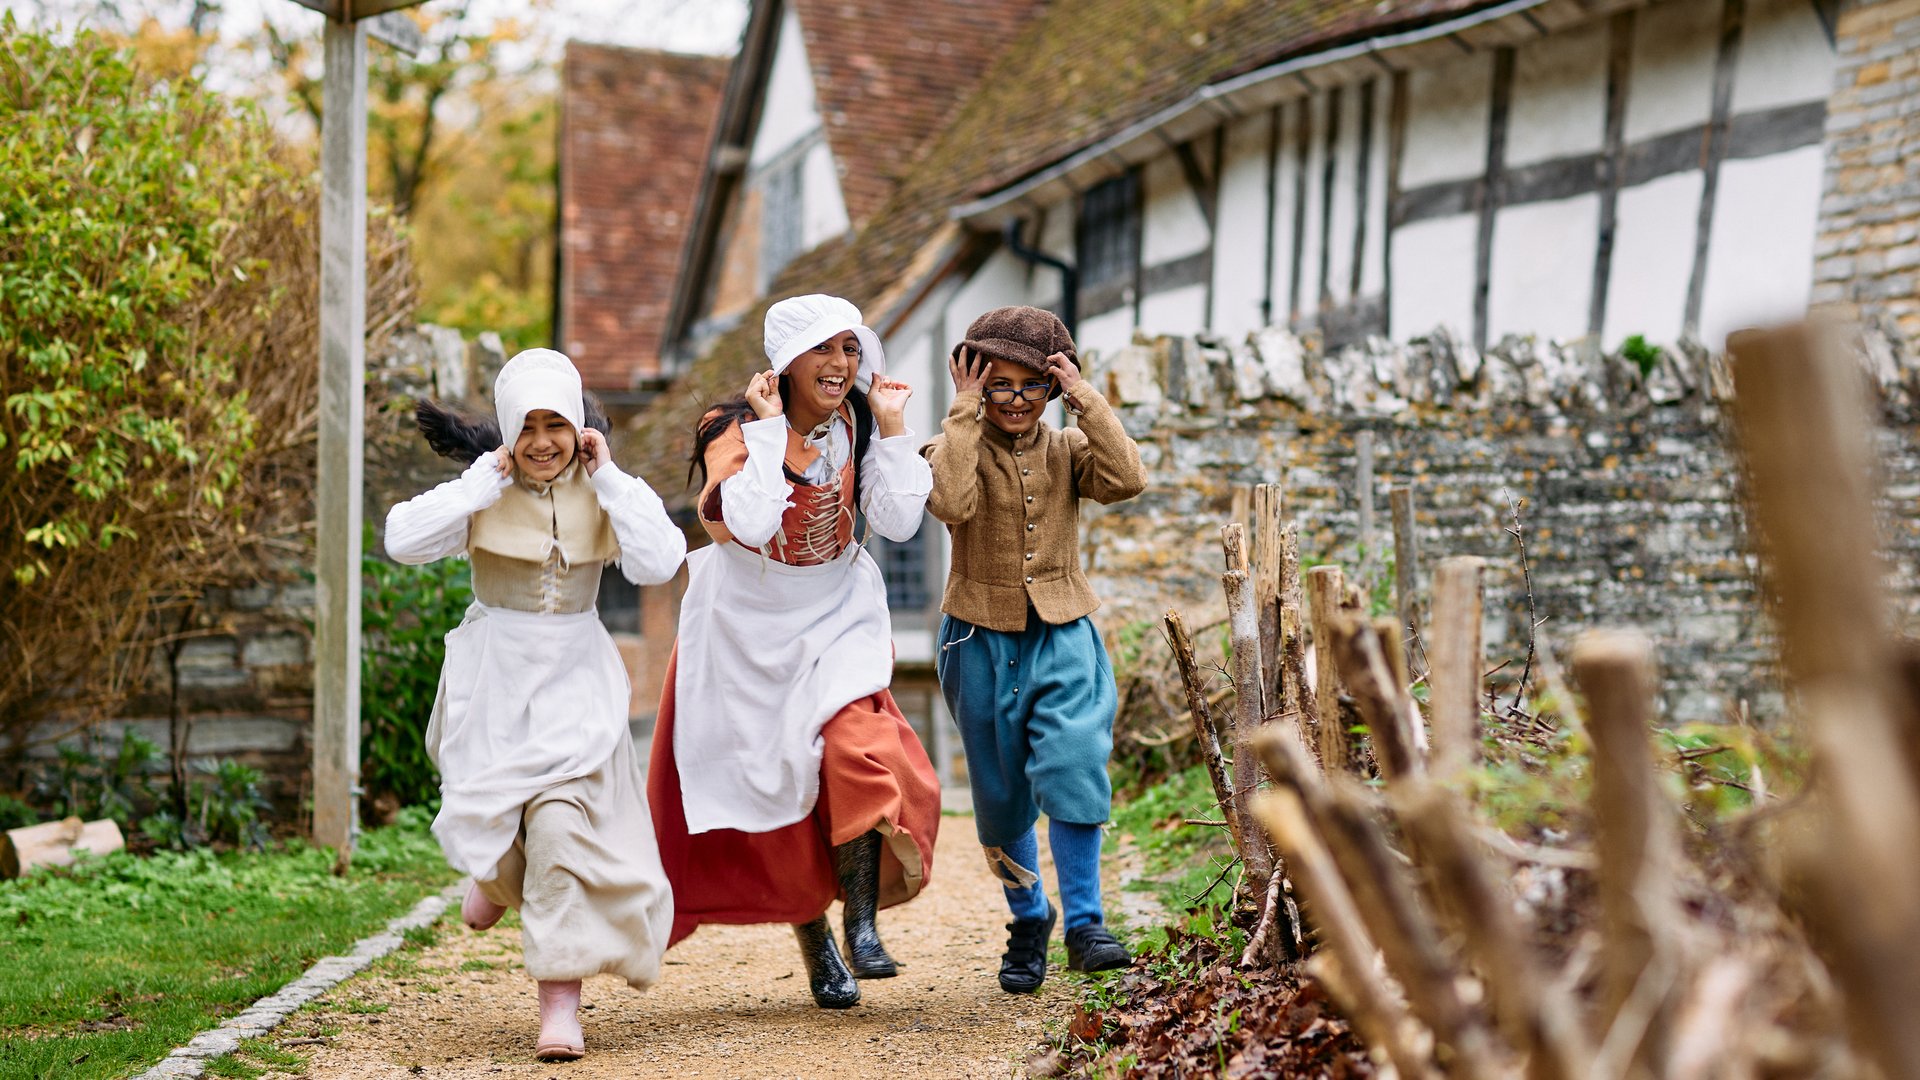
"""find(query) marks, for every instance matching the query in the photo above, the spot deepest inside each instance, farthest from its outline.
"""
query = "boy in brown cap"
(1021, 665)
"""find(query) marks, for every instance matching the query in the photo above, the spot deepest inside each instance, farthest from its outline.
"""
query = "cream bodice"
(549, 588)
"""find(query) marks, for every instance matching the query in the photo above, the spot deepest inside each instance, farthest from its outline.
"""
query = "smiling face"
(1016, 417)
(545, 446)
(818, 379)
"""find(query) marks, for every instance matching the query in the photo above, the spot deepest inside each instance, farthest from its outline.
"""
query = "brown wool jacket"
(1013, 508)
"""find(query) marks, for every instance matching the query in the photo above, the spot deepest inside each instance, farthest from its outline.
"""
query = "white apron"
(526, 702)
(768, 654)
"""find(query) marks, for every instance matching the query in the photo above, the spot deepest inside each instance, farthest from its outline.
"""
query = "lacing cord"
(817, 539)
(971, 630)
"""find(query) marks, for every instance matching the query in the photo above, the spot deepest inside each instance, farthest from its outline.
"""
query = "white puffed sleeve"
(433, 525)
(752, 500)
(894, 484)
(651, 545)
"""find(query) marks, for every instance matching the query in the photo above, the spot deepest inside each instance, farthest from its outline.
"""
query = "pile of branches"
(1788, 946)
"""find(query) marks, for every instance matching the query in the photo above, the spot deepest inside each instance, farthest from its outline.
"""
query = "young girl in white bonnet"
(783, 773)
(542, 797)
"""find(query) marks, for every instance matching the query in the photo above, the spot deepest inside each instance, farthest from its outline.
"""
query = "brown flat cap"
(1024, 335)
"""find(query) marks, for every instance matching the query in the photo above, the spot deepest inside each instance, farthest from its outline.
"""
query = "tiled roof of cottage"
(1080, 71)
(889, 75)
(635, 125)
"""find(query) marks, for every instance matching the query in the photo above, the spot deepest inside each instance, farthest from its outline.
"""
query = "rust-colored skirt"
(874, 774)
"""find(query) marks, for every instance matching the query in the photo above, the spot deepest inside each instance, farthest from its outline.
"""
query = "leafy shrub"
(406, 612)
(158, 314)
(81, 784)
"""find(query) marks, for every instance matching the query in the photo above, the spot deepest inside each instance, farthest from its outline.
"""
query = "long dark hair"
(735, 410)
(463, 435)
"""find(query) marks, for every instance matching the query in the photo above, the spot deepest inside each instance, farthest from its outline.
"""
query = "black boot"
(1024, 966)
(1092, 947)
(858, 863)
(827, 975)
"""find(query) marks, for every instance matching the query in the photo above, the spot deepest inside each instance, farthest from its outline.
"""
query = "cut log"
(1385, 899)
(1248, 716)
(1369, 678)
(1406, 568)
(1805, 427)
(1536, 1014)
(1454, 654)
(56, 843)
(1368, 1000)
(1326, 586)
(1268, 581)
(1638, 838)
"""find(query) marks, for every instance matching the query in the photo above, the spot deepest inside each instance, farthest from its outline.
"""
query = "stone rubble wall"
(1626, 488)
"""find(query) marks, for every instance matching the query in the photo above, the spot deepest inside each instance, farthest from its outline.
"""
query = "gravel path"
(732, 1002)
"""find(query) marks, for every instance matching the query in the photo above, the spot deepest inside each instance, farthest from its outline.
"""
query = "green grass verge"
(116, 962)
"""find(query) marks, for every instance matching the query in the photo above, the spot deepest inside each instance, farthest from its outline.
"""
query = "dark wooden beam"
(1396, 154)
(1363, 176)
(1492, 188)
(1328, 162)
(1608, 169)
(1273, 211)
(1302, 147)
(1732, 17)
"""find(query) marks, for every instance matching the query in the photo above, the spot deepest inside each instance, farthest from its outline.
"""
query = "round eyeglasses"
(1029, 392)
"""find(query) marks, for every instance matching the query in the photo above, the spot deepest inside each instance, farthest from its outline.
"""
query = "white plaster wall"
(1559, 103)
(1652, 259)
(1672, 67)
(1346, 202)
(791, 113)
(1760, 250)
(1106, 332)
(1542, 274)
(1172, 226)
(1314, 179)
(826, 208)
(1447, 121)
(1057, 232)
(1180, 311)
(916, 361)
(1286, 191)
(1240, 252)
(1784, 56)
(1000, 281)
(1373, 270)
(1433, 275)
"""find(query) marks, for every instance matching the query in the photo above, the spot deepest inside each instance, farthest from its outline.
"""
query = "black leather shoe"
(1024, 966)
(827, 975)
(1091, 947)
(857, 863)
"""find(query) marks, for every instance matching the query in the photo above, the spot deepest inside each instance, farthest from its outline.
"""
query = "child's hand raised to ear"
(969, 370)
(888, 398)
(594, 450)
(1063, 370)
(503, 460)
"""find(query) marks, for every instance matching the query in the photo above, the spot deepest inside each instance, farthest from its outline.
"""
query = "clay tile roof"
(1080, 71)
(889, 75)
(635, 124)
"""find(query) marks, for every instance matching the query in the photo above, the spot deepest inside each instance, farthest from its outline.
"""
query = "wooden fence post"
(1454, 671)
(1805, 431)
(1249, 706)
(1406, 569)
(1326, 586)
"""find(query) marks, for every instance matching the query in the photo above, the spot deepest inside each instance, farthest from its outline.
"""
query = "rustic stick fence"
(1803, 959)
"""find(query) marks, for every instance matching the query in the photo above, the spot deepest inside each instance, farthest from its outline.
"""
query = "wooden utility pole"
(343, 375)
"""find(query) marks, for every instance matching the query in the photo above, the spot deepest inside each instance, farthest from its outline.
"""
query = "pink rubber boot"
(477, 911)
(560, 1036)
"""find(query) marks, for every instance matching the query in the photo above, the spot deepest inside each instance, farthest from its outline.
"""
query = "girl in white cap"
(541, 791)
(794, 778)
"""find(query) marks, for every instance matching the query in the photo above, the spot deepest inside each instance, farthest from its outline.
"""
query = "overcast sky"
(703, 26)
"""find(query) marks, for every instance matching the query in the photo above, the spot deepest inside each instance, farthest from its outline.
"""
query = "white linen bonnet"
(537, 379)
(798, 323)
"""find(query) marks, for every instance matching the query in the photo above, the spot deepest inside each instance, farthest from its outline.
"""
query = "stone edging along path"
(326, 973)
